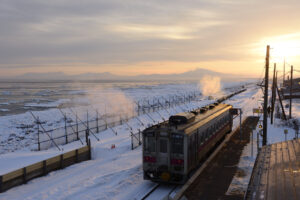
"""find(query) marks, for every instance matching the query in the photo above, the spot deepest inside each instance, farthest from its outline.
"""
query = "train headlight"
(151, 175)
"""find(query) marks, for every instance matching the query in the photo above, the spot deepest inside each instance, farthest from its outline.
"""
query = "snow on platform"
(277, 172)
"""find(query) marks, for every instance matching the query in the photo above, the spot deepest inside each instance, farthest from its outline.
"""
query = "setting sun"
(282, 47)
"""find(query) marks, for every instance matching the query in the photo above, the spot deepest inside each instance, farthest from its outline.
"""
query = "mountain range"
(196, 75)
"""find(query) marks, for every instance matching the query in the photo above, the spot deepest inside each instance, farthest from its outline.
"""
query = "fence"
(73, 131)
(136, 140)
(145, 106)
(30, 172)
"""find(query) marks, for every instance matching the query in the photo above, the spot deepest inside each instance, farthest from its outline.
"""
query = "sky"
(130, 37)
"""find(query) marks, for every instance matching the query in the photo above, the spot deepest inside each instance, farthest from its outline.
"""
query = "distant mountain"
(42, 76)
(190, 75)
(61, 76)
(193, 75)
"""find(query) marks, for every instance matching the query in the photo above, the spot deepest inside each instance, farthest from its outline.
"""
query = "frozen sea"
(19, 97)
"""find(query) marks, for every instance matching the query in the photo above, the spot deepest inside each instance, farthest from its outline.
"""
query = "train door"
(163, 151)
(197, 145)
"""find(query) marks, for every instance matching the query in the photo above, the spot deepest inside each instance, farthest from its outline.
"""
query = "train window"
(177, 145)
(163, 146)
(207, 133)
(203, 134)
(150, 144)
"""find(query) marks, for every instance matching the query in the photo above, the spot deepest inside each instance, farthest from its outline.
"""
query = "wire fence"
(76, 129)
(136, 140)
(73, 132)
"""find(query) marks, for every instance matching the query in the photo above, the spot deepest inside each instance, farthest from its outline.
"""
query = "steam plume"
(210, 85)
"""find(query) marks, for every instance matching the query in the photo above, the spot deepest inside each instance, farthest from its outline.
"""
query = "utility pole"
(273, 94)
(283, 71)
(291, 92)
(265, 122)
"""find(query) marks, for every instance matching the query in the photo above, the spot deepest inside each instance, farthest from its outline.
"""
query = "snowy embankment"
(113, 173)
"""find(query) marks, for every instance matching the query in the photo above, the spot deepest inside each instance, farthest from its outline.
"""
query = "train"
(174, 148)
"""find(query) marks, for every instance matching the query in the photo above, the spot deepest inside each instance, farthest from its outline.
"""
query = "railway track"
(160, 191)
(150, 192)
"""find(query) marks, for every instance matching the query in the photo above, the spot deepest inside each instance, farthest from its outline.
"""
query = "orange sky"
(138, 37)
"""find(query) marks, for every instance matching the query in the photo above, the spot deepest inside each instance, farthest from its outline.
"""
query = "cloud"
(100, 32)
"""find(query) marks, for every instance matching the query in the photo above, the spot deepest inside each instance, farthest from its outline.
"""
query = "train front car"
(172, 149)
(163, 154)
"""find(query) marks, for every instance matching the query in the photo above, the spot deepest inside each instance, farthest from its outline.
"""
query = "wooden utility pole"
(273, 94)
(291, 92)
(283, 71)
(265, 122)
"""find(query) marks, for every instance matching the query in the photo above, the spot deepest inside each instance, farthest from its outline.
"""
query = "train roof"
(200, 118)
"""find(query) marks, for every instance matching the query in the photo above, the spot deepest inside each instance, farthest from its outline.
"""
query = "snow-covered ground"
(275, 134)
(19, 131)
(112, 173)
(117, 173)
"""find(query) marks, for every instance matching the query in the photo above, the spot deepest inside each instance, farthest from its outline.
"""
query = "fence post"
(24, 175)
(97, 119)
(87, 119)
(76, 156)
(66, 133)
(1, 183)
(105, 120)
(38, 129)
(61, 161)
(149, 107)
(90, 152)
(44, 167)
(77, 134)
(87, 136)
(133, 109)
(131, 141)
(140, 137)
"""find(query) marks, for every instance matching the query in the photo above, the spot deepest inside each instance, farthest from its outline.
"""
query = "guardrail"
(42, 168)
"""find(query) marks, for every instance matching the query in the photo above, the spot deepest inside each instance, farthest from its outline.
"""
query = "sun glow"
(283, 47)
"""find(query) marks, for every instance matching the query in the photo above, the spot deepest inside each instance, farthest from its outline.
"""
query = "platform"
(213, 181)
(276, 174)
